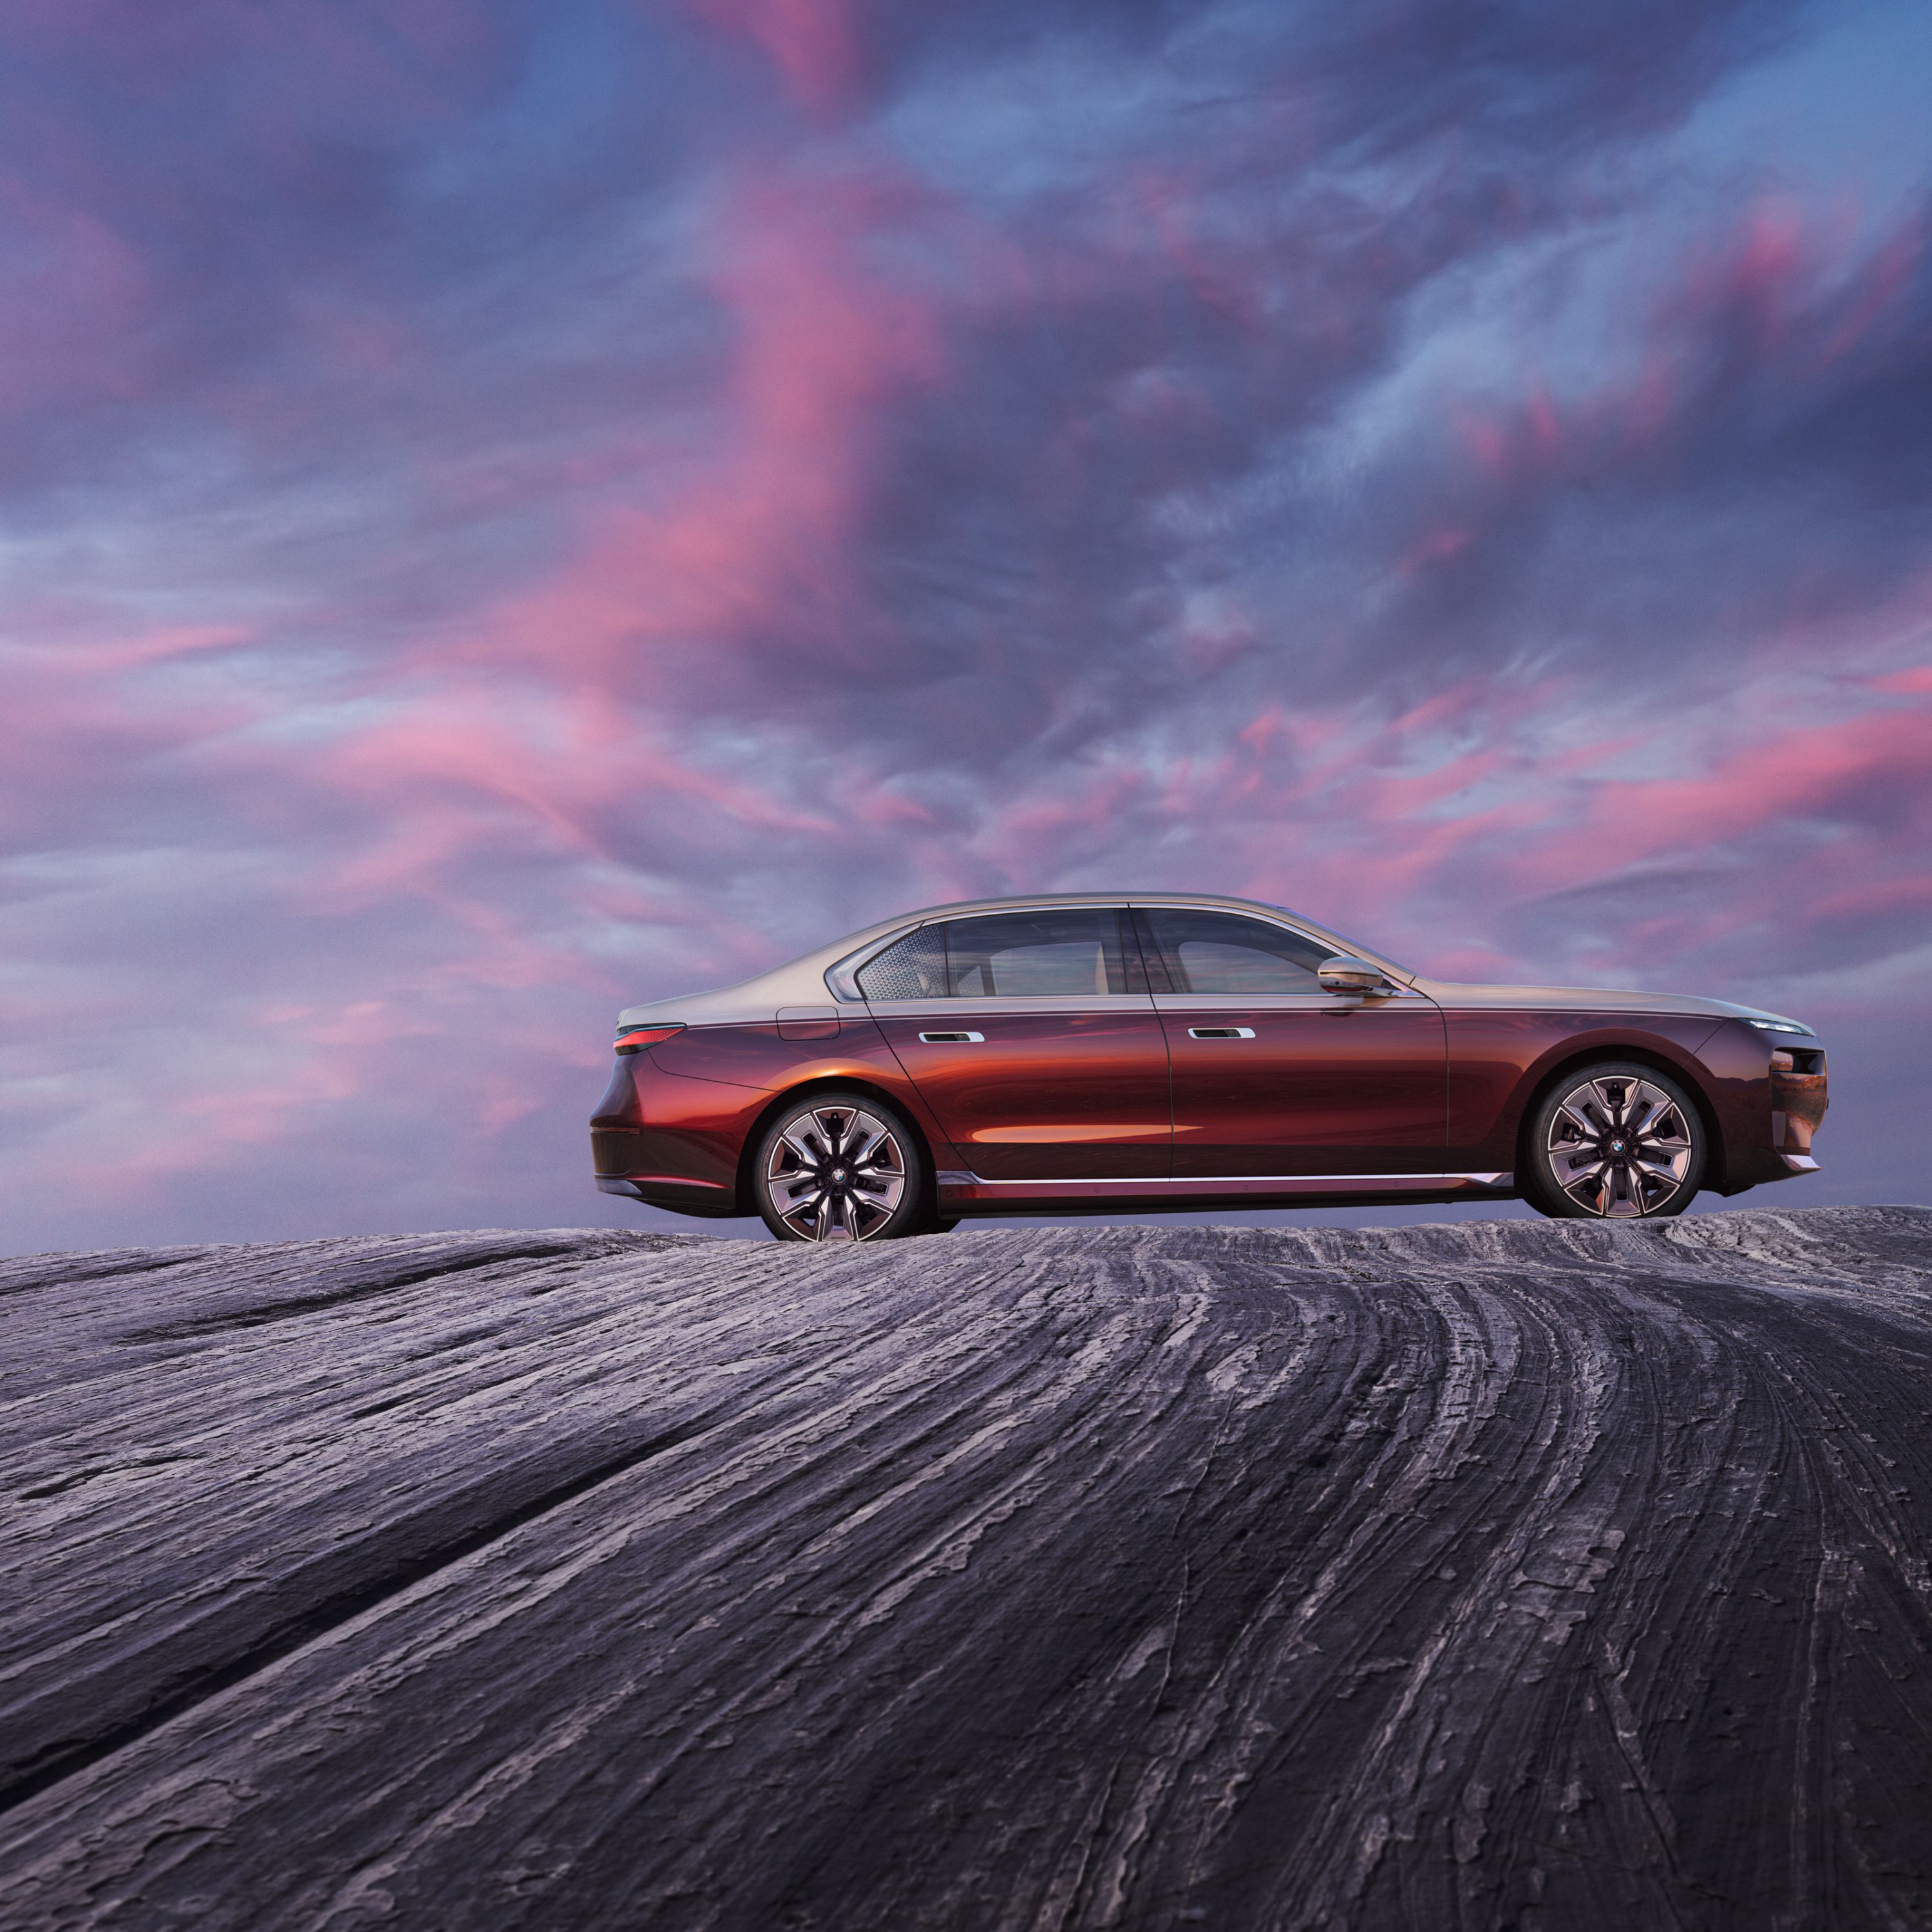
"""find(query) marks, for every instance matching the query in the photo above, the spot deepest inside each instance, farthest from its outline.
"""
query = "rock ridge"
(1483, 1574)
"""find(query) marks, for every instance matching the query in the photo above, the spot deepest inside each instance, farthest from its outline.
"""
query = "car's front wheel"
(840, 1167)
(1615, 1142)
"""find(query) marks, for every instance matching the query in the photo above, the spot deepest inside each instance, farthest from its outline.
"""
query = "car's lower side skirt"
(961, 1192)
(964, 1192)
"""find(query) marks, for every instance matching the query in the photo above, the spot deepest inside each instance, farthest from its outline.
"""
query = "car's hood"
(1584, 999)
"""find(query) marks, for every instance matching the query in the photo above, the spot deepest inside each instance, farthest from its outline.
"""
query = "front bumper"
(1799, 1095)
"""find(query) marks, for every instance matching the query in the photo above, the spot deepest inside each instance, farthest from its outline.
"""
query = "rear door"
(1032, 1037)
(1272, 1075)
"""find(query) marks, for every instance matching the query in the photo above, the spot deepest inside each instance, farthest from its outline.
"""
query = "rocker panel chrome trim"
(1194, 1182)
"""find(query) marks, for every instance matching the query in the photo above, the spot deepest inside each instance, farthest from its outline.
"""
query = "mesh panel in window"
(913, 969)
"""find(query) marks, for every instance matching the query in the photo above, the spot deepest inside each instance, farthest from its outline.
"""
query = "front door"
(1021, 1033)
(1272, 1075)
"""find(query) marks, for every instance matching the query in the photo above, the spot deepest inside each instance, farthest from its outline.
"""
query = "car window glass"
(1147, 971)
(1223, 952)
(1036, 955)
(912, 968)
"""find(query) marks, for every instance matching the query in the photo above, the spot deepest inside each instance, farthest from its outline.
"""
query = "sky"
(512, 508)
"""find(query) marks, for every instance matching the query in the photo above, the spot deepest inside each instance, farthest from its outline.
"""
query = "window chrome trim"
(1177, 1005)
(842, 976)
(972, 1009)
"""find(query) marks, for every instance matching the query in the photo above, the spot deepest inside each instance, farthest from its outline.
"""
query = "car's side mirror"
(1345, 974)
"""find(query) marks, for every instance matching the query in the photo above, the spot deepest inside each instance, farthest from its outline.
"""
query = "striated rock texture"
(1493, 1575)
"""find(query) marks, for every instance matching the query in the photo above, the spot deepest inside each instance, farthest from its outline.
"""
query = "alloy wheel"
(1619, 1147)
(835, 1174)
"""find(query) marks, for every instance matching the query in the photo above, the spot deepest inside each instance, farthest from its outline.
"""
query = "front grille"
(612, 1151)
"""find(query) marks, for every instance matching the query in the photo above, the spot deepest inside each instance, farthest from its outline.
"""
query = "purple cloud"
(528, 508)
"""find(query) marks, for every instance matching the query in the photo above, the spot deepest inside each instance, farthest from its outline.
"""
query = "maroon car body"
(1129, 1093)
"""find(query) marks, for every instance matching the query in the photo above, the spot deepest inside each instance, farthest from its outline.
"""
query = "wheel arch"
(1716, 1169)
(831, 1083)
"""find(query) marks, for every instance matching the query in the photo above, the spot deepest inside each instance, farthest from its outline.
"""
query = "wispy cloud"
(524, 508)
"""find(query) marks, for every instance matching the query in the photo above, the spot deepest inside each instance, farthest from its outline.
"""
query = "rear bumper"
(678, 1197)
(627, 1161)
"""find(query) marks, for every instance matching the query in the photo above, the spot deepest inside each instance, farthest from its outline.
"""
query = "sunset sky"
(513, 509)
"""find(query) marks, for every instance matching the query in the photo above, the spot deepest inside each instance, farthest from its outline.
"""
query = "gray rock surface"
(1501, 1574)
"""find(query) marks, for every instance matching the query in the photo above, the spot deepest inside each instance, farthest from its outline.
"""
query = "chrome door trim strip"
(979, 1007)
(961, 1179)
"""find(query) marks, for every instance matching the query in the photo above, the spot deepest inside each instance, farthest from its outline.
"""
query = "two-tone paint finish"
(1147, 1099)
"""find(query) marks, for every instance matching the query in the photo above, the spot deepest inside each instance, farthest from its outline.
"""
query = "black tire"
(1615, 1141)
(806, 1186)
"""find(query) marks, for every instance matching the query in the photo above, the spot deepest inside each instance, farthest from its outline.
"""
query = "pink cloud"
(1432, 547)
(814, 44)
(1827, 771)
(75, 297)
(1918, 678)
(761, 534)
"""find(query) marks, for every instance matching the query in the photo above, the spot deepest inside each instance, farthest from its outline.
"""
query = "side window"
(913, 968)
(1147, 971)
(1223, 952)
(1036, 955)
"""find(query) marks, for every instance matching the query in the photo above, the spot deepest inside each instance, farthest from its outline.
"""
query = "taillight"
(635, 1042)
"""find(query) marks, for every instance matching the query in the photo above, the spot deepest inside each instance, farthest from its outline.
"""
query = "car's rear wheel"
(1616, 1142)
(840, 1167)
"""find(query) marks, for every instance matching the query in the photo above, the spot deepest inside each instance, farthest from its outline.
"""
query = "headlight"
(1783, 1026)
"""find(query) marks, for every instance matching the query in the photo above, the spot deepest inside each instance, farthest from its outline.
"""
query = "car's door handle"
(1220, 1032)
(951, 1038)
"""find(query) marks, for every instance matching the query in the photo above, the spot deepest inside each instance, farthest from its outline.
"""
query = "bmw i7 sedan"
(1134, 1052)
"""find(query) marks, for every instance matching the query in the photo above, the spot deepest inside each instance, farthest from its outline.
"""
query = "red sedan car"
(1148, 1051)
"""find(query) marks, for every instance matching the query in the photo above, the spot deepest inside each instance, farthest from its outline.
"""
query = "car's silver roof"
(801, 981)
